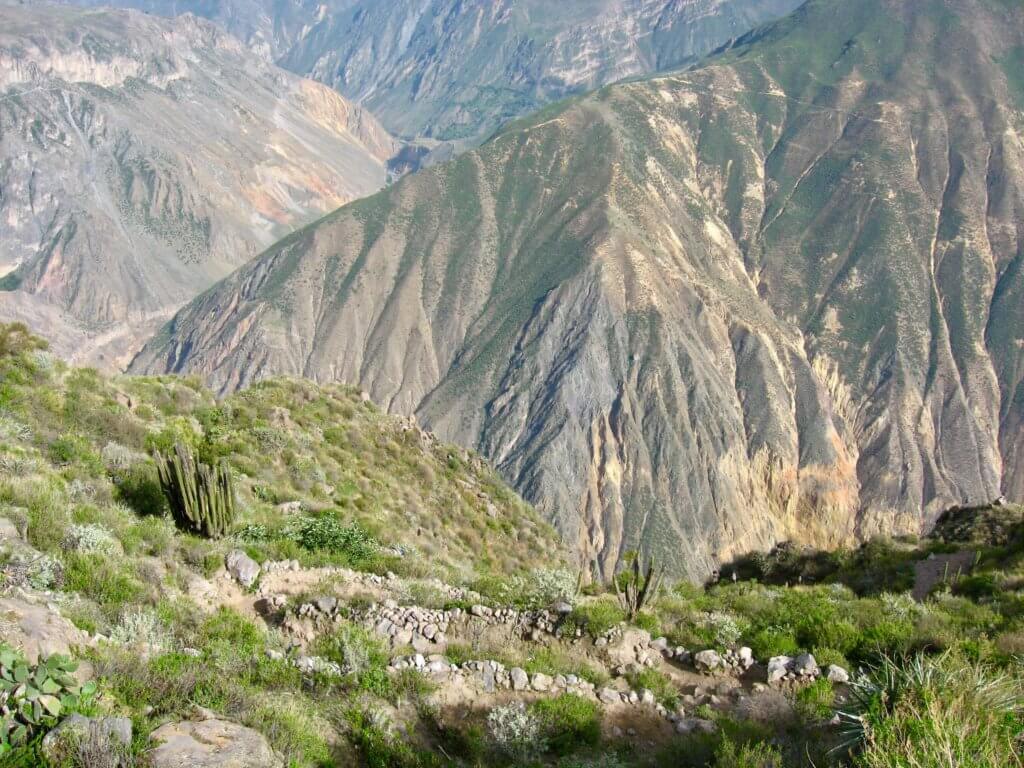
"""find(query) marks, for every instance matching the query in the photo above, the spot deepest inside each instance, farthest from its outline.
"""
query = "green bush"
(139, 488)
(815, 701)
(773, 641)
(751, 755)
(328, 534)
(568, 722)
(656, 682)
(596, 617)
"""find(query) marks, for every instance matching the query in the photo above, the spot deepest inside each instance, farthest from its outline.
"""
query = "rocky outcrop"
(143, 159)
(765, 300)
(37, 630)
(210, 743)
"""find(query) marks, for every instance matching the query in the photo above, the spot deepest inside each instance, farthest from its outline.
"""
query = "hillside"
(774, 298)
(144, 159)
(382, 599)
(453, 71)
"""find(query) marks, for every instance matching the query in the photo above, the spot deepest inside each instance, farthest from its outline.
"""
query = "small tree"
(201, 496)
(639, 587)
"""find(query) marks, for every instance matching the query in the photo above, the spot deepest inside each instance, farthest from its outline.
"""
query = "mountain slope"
(777, 297)
(143, 159)
(452, 70)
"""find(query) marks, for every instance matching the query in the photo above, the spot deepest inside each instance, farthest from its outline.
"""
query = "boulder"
(520, 680)
(778, 667)
(242, 568)
(541, 682)
(805, 665)
(211, 744)
(112, 735)
(37, 630)
(695, 725)
(8, 530)
(609, 696)
(837, 674)
(707, 661)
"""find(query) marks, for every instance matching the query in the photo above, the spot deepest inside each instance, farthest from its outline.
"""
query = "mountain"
(778, 297)
(142, 159)
(455, 71)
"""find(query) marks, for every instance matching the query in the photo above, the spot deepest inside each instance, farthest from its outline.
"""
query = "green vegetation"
(319, 477)
(33, 697)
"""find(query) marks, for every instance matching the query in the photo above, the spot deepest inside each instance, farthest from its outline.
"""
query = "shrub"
(139, 488)
(773, 641)
(568, 722)
(932, 711)
(756, 755)
(596, 617)
(90, 538)
(361, 656)
(515, 732)
(815, 701)
(657, 683)
(141, 627)
(328, 534)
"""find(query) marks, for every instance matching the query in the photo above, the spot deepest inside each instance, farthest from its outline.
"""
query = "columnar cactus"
(201, 496)
(639, 589)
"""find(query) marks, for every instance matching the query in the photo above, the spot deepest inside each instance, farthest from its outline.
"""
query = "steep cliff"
(454, 70)
(143, 159)
(776, 297)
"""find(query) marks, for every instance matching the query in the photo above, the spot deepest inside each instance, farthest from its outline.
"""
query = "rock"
(520, 680)
(660, 644)
(541, 682)
(805, 665)
(647, 697)
(837, 674)
(37, 630)
(695, 725)
(562, 608)
(707, 661)
(420, 644)
(210, 744)
(438, 668)
(778, 666)
(746, 656)
(625, 649)
(242, 568)
(111, 734)
(8, 530)
(609, 696)
(326, 604)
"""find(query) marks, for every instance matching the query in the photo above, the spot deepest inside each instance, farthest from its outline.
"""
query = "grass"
(937, 712)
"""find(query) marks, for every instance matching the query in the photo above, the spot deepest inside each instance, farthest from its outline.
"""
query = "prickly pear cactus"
(33, 697)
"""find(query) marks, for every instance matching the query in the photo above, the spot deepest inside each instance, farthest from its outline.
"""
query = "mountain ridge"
(454, 72)
(145, 159)
(743, 313)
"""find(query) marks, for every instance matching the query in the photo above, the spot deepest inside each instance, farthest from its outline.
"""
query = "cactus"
(201, 496)
(639, 588)
(33, 697)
